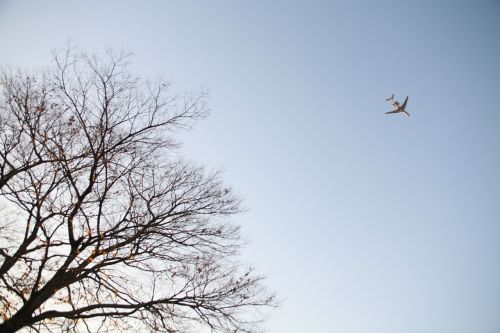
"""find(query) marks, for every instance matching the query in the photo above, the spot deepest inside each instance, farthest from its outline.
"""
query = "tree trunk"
(18, 321)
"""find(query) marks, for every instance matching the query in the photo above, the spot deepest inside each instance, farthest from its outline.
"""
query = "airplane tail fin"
(390, 98)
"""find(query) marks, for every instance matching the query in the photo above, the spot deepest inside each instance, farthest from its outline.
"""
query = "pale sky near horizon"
(362, 222)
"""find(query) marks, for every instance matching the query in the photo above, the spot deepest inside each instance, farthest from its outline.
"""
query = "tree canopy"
(104, 226)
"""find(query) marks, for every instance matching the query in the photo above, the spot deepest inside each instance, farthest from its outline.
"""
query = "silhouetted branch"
(109, 229)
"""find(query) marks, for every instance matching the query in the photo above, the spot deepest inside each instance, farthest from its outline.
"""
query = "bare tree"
(103, 226)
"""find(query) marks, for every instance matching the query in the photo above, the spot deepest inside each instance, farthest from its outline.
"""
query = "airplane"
(399, 108)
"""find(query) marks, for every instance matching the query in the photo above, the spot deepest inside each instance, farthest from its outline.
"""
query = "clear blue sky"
(363, 222)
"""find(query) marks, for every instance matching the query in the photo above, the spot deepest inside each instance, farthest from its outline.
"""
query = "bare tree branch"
(107, 229)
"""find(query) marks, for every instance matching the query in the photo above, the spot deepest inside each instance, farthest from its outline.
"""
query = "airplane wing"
(404, 104)
(395, 111)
